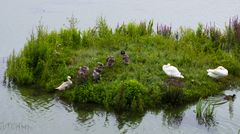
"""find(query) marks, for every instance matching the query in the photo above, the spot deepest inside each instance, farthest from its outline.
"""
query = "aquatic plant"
(205, 112)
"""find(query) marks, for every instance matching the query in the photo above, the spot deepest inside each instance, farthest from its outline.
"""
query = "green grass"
(49, 57)
(205, 112)
(204, 109)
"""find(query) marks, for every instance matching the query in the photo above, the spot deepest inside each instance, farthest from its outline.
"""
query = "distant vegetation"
(49, 57)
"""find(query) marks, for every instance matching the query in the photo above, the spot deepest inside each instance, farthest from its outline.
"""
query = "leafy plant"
(205, 112)
(130, 96)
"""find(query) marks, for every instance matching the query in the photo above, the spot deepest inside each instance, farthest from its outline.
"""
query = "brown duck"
(229, 97)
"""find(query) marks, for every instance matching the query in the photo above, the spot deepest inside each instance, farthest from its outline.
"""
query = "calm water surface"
(19, 18)
(25, 111)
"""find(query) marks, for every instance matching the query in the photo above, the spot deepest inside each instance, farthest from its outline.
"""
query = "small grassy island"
(49, 57)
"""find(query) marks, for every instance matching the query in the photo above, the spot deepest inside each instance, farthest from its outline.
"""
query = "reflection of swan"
(171, 71)
(65, 84)
(218, 72)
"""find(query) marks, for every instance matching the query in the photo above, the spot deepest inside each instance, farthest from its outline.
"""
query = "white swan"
(218, 72)
(172, 71)
(65, 84)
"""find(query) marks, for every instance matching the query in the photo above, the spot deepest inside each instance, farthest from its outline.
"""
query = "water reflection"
(85, 113)
(230, 109)
(207, 121)
(209, 107)
(36, 99)
(88, 115)
(32, 111)
(3, 78)
(173, 117)
(131, 120)
(66, 105)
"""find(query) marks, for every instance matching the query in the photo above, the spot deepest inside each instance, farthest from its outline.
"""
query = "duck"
(229, 97)
(65, 84)
(83, 71)
(100, 67)
(96, 75)
(125, 57)
(172, 71)
(110, 61)
(218, 72)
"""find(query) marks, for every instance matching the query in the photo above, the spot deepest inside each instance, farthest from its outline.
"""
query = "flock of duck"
(83, 71)
(170, 70)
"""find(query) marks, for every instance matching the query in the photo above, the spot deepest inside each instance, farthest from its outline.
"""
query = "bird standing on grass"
(125, 57)
(83, 71)
(110, 61)
(99, 67)
(96, 75)
(65, 84)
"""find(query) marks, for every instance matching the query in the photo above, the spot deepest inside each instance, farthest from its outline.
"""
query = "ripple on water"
(39, 109)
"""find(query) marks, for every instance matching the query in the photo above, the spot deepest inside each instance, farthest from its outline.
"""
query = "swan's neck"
(69, 80)
(165, 67)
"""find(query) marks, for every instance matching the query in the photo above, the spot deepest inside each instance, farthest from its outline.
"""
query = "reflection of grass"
(128, 119)
(36, 100)
(173, 116)
(87, 114)
(205, 112)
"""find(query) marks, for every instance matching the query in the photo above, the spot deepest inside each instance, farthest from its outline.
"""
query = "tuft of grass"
(204, 109)
(205, 112)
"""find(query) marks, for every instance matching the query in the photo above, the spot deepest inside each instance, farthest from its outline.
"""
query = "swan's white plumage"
(218, 72)
(65, 84)
(172, 71)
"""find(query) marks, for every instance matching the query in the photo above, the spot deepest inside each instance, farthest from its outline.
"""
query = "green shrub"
(131, 95)
(172, 96)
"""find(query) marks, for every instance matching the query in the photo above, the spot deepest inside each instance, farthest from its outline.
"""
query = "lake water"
(19, 18)
(25, 111)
